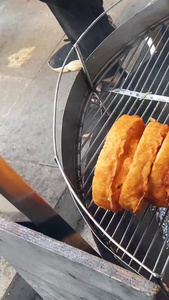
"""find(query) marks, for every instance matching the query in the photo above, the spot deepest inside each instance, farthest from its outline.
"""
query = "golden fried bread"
(114, 161)
(159, 177)
(135, 187)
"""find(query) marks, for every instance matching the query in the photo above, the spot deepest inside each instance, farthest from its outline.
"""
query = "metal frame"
(106, 55)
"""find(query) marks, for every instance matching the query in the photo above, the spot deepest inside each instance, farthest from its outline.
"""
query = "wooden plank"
(14, 188)
(58, 271)
(20, 289)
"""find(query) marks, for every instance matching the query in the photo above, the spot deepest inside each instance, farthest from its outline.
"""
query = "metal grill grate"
(144, 67)
(140, 242)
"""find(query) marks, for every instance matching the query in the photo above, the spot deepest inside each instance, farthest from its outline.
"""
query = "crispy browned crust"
(159, 178)
(135, 187)
(114, 161)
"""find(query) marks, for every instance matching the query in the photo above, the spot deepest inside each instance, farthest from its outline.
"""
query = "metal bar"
(159, 116)
(137, 94)
(120, 78)
(80, 56)
(32, 205)
(132, 237)
(116, 73)
(110, 106)
(164, 268)
(121, 220)
(156, 107)
(101, 104)
(89, 191)
(160, 53)
(144, 56)
(95, 115)
(97, 224)
(153, 240)
(90, 204)
(97, 210)
(127, 228)
(162, 81)
(165, 90)
(159, 41)
(145, 232)
(107, 98)
(163, 63)
(165, 121)
(106, 124)
(118, 82)
(165, 103)
(91, 110)
(104, 216)
(91, 173)
(145, 96)
(159, 256)
(162, 112)
(141, 96)
(111, 220)
(153, 110)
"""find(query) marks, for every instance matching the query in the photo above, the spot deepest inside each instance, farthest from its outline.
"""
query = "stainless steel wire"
(164, 268)
(135, 74)
(120, 222)
(160, 254)
(93, 211)
(124, 214)
(159, 41)
(144, 234)
(120, 101)
(102, 129)
(133, 235)
(153, 240)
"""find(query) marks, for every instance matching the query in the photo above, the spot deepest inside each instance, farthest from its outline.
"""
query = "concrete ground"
(29, 34)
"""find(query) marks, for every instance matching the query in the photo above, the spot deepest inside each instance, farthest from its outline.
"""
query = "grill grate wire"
(142, 68)
(151, 72)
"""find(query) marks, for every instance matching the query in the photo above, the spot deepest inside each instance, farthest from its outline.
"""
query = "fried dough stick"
(114, 161)
(159, 178)
(135, 188)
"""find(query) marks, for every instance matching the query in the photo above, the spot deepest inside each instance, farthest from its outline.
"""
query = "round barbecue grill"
(137, 57)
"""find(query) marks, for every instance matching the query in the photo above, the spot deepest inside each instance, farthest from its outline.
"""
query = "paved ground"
(27, 92)
(29, 34)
